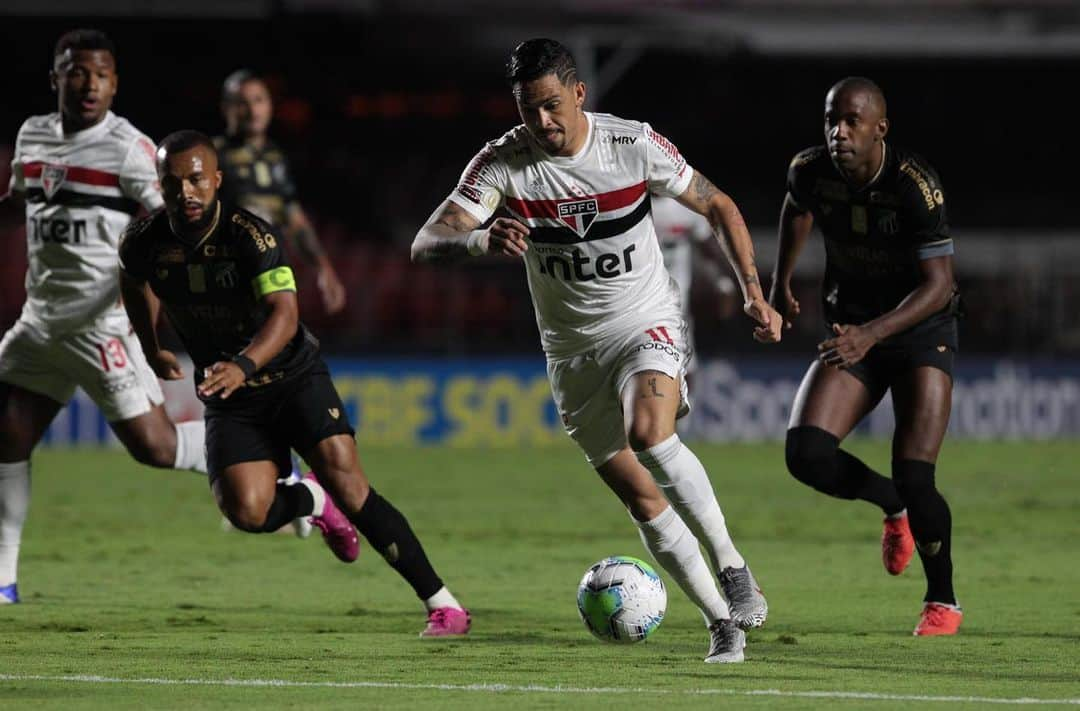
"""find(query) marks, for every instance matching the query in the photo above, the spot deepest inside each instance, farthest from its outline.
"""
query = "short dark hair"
(234, 81)
(863, 85)
(84, 39)
(183, 140)
(539, 57)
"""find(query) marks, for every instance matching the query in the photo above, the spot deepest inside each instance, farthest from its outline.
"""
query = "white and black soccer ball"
(621, 599)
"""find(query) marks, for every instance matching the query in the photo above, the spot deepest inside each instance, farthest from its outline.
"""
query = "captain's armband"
(279, 279)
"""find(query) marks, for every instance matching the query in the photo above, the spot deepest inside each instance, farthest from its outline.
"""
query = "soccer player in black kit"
(890, 305)
(221, 276)
(257, 176)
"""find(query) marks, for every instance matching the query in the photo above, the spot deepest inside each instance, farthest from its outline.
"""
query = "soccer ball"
(621, 599)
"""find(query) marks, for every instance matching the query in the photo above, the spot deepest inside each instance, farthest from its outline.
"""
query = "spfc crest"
(52, 177)
(578, 215)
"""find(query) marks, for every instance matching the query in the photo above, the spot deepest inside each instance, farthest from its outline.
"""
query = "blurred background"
(380, 105)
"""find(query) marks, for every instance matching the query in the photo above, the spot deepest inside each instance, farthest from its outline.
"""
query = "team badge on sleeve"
(52, 177)
(578, 215)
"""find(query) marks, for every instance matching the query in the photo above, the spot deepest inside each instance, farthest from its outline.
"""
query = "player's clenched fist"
(224, 377)
(507, 236)
(769, 321)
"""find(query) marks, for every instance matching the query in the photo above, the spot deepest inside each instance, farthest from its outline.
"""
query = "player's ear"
(217, 179)
(882, 128)
(579, 94)
(53, 80)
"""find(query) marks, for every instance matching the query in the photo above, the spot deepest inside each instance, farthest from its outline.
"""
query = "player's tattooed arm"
(728, 225)
(452, 233)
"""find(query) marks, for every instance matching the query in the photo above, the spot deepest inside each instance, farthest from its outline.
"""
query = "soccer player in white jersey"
(82, 173)
(577, 186)
(684, 236)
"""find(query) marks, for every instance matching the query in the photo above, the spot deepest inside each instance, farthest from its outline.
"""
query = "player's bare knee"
(248, 513)
(646, 431)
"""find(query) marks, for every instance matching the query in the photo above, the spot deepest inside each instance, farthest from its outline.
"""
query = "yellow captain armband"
(279, 279)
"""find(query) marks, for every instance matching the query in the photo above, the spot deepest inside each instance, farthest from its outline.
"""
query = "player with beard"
(78, 177)
(578, 187)
(890, 304)
(221, 276)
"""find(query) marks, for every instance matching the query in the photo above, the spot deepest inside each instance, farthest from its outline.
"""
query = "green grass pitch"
(127, 577)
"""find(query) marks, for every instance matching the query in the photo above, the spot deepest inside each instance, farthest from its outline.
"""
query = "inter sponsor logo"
(575, 266)
(57, 229)
(579, 215)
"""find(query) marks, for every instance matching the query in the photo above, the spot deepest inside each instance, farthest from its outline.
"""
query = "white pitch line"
(533, 688)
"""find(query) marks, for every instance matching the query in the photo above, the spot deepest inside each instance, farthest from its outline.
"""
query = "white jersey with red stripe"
(81, 190)
(678, 228)
(594, 265)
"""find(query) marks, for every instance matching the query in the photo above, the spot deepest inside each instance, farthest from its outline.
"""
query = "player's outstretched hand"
(769, 322)
(331, 290)
(507, 236)
(223, 378)
(849, 346)
(166, 366)
(781, 299)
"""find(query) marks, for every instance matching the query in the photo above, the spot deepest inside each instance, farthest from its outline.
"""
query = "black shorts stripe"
(70, 198)
(600, 229)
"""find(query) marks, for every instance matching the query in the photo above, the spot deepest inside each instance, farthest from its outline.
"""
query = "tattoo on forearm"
(751, 279)
(703, 189)
(456, 219)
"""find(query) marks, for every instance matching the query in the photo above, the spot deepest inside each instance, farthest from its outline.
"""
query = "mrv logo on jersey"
(578, 215)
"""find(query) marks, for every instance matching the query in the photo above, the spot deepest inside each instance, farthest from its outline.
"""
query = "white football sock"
(679, 474)
(318, 495)
(442, 598)
(191, 446)
(14, 503)
(678, 553)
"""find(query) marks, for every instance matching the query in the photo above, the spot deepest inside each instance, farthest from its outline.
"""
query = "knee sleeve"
(810, 453)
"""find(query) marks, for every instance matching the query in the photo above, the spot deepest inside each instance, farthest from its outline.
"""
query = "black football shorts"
(296, 414)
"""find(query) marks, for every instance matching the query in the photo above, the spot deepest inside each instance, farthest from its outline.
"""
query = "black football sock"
(814, 458)
(289, 502)
(388, 532)
(931, 525)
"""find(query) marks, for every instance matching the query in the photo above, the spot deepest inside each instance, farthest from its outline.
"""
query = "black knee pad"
(810, 453)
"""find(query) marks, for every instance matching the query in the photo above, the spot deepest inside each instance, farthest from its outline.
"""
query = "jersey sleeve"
(667, 172)
(138, 175)
(261, 257)
(17, 182)
(923, 218)
(481, 190)
(797, 179)
(132, 251)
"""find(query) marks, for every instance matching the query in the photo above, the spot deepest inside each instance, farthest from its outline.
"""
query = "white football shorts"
(107, 363)
(588, 387)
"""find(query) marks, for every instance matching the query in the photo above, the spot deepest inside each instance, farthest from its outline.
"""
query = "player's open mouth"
(88, 104)
(193, 211)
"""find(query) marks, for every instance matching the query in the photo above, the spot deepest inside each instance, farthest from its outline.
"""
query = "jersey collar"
(85, 134)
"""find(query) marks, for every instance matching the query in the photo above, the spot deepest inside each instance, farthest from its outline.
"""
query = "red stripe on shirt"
(75, 174)
(605, 202)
